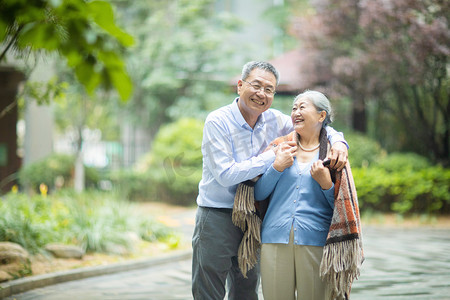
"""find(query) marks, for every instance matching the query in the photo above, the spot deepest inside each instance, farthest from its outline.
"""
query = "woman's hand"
(322, 175)
(338, 156)
(285, 156)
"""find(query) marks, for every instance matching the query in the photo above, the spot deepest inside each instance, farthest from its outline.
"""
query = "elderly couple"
(312, 222)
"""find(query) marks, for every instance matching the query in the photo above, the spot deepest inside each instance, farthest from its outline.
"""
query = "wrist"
(326, 186)
(278, 168)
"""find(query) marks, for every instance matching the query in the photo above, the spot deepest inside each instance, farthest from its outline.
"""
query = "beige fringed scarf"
(246, 218)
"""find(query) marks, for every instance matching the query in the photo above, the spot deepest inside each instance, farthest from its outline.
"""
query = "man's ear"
(239, 87)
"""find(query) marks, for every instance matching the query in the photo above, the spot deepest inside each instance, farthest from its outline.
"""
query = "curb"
(33, 282)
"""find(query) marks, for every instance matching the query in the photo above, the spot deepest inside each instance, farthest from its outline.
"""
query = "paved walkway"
(400, 264)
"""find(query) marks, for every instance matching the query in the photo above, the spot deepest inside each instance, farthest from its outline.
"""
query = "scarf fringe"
(245, 217)
(340, 266)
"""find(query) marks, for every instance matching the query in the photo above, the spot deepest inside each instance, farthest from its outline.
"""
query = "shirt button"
(295, 201)
(296, 187)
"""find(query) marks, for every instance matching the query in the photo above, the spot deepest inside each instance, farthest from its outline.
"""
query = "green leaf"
(87, 76)
(122, 83)
(117, 73)
(103, 15)
(2, 30)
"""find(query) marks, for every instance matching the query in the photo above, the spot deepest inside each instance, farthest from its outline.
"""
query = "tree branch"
(8, 108)
(11, 42)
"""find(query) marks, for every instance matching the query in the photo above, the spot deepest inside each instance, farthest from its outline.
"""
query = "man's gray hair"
(250, 66)
(321, 102)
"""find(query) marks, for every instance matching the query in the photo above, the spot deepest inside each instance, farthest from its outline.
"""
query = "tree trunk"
(79, 177)
(359, 118)
(10, 163)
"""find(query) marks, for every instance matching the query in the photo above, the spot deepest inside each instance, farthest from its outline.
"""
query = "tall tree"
(393, 55)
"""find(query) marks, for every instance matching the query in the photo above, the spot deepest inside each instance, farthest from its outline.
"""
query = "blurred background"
(110, 96)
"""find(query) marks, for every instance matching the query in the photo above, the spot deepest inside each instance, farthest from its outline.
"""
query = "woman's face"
(304, 116)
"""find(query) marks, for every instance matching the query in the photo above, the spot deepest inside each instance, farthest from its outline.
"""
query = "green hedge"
(363, 151)
(171, 171)
(52, 169)
(403, 183)
(134, 185)
(397, 182)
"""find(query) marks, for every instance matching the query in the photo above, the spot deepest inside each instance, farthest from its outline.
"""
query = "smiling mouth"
(258, 101)
(296, 121)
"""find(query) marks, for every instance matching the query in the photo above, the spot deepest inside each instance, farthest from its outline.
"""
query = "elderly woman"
(297, 222)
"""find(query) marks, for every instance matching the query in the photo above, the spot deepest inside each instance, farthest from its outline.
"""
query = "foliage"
(175, 163)
(77, 111)
(182, 64)
(133, 185)
(95, 221)
(404, 161)
(358, 47)
(55, 171)
(363, 151)
(83, 32)
(29, 221)
(403, 183)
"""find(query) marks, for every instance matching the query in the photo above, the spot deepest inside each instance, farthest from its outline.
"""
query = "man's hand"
(338, 156)
(285, 156)
(275, 147)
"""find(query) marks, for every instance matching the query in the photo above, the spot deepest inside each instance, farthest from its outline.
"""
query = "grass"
(95, 221)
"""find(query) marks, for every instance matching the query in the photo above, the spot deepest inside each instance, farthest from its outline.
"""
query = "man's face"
(254, 101)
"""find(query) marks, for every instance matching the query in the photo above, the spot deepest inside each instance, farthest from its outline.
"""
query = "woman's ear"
(323, 115)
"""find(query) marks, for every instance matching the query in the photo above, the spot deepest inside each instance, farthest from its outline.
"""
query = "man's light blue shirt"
(233, 152)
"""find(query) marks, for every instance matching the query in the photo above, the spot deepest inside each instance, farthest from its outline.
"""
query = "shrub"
(395, 162)
(363, 151)
(31, 221)
(403, 183)
(133, 185)
(95, 221)
(174, 165)
(49, 169)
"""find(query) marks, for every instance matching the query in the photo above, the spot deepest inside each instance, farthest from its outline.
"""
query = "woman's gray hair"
(321, 102)
(250, 66)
